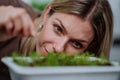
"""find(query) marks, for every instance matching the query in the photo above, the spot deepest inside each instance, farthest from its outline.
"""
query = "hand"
(16, 21)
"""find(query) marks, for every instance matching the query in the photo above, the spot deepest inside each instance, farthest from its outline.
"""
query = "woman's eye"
(58, 28)
(77, 44)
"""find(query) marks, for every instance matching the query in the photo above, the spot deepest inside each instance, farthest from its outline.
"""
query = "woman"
(73, 26)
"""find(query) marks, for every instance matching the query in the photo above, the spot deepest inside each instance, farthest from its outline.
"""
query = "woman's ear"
(46, 14)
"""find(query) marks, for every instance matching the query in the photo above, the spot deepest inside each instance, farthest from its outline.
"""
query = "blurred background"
(115, 5)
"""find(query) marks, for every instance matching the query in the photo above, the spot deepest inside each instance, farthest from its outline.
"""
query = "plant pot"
(62, 72)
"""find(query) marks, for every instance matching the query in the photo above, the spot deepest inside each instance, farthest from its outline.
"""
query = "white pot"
(62, 73)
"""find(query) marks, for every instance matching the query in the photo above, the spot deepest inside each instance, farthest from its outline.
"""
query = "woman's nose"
(60, 46)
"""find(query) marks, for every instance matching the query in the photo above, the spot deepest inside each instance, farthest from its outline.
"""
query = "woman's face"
(64, 32)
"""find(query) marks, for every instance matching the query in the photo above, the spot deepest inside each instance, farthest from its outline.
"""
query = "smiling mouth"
(45, 50)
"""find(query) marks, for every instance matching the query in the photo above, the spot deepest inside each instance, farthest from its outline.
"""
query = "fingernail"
(33, 33)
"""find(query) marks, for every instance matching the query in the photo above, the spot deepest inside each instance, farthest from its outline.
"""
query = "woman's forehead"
(74, 25)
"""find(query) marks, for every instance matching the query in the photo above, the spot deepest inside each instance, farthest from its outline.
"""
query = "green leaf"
(60, 59)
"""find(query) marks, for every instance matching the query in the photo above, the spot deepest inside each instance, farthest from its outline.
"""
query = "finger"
(18, 21)
(25, 25)
(32, 28)
(28, 25)
(9, 26)
(32, 31)
(17, 25)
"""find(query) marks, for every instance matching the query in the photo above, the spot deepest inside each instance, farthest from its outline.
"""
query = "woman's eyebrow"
(83, 41)
(63, 27)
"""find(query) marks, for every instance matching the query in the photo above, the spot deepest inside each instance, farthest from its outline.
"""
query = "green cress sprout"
(60, 59)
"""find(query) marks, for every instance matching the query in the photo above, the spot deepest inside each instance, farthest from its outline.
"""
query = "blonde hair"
(97, 12)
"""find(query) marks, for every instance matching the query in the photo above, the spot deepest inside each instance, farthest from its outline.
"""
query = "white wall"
(27, 1)
(115, 51)
(115, 4)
